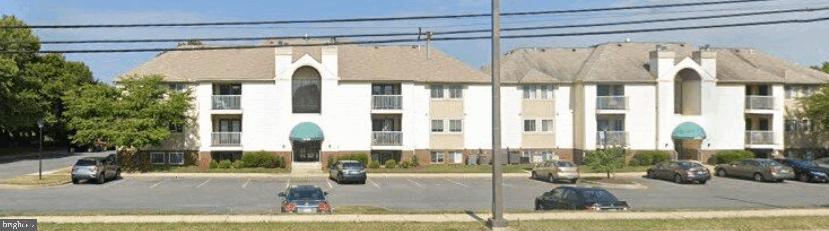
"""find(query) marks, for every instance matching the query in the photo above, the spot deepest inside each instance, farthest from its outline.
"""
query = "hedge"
(724, 157)
(391, 163)
(361, 157)
(647, 158)
(374, 164)
(262, 159)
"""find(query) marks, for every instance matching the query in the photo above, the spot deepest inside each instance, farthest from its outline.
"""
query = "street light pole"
(497, 220)
(40, 151)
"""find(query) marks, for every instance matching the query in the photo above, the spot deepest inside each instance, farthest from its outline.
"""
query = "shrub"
(405, 164)
(225, 164)
(213, 164)
(262, 159)
(729, 156)
(361, 157)
(238, 164)
(374, 164)
(606, 160)
(647, 158)
(391, 164)
(415, 161)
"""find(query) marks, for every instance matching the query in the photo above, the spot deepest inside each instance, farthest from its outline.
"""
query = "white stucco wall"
(640, 118)
(564, 117)
(727, 124)
(590, 117)
(512, 126)
(477, 117)
(203, 94)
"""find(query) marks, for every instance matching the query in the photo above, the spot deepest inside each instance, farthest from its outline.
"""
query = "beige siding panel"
(538, 140)
(446, 109)
(538, 108)
(446, 141)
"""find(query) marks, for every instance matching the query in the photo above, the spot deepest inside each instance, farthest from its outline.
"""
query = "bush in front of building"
(405, 164)
(374, 164)
(225, 164)
(606, 160)
(415, 161)
(262, 159)
(360, 157)
(214, 164)
(391, 163)
(647, 158)
(238, 164)
(724, 157)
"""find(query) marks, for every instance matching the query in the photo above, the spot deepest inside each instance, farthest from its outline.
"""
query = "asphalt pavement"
(23, 166)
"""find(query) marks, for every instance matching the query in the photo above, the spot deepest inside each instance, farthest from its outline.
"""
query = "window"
(175, 158)
(437, 91)
(228, 125)
(529, 125)
(610, 90)
(230, 156)
(385, 89)
(687, 92)
(227, 89)
(177, 86)
(457, 157)
(455, 125)
(546, 125)
(176, 128)
(306, 90)
(455, 92)
(437, 125)
(157, 158)
(438, 157)
(536, 91)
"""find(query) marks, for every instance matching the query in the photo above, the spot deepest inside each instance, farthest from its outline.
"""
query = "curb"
(412, 175)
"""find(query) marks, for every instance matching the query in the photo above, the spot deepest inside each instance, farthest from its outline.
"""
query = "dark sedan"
(807, 171)
(579, 198)
(305, 199)
(680, 171)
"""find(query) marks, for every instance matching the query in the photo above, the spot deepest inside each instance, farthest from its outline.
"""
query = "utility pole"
(40, 151)
(497, 220)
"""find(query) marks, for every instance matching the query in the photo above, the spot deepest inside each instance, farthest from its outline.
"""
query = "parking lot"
(243, 195)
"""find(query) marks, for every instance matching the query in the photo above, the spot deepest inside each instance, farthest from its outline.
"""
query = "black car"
(305, 199)
(579, 198)
(807, 171)
(97, 169)
(680, 171)
(347, 171)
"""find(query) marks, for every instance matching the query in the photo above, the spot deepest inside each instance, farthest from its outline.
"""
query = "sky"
(804, 44)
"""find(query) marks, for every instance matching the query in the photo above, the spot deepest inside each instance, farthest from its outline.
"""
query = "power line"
(441, 33)
(387, 41)
(406, 18)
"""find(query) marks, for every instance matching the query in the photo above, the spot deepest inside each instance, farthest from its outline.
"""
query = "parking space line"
(415, 183)
(329, 183)
(288, 184)
(114, 183)
(203, 183)
(372, 183)
(245, 185)
(457, 183)
(157, 183)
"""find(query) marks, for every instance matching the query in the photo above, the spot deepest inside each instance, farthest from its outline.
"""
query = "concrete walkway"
(455, 217)
(412, 175)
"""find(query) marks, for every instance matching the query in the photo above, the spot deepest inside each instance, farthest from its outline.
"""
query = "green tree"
(824, 67)
(606, 160)
(132, 116)
(817, 106)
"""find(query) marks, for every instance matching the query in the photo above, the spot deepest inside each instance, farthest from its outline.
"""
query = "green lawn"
(196, 169)
(56, 178)
(786, 223)
(587, 169)
(449, 168)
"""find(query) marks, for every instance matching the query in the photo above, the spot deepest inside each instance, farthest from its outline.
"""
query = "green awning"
(306, 131)
(688, 131)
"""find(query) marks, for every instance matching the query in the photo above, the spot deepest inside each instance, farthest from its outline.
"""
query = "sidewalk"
(455, 217)
(412, 175)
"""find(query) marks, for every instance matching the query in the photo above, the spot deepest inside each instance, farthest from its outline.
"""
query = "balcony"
(227, 102)
(387, 138)
(759, 102)
(227, 139)
(759, 137)
(386, 102)
(611, 138)
(616, 102)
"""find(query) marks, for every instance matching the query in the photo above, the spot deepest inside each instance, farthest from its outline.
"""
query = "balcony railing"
(386, 102)
(227, 139)
(611, 138)
(760, 102)
(616, 102)
(387, 138)
(759, 137)
(227, 102)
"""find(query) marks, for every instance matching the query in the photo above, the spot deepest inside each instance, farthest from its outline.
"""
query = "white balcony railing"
(386, 102)
(227, 139)
(227, 102)
(387, 138)
(760, 102)
(616, 102)
(759, 137)
(611, 138)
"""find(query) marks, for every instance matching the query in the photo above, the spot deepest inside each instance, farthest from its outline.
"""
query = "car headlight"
(818, 174)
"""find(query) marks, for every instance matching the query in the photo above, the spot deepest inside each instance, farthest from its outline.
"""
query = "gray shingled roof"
(628, 62)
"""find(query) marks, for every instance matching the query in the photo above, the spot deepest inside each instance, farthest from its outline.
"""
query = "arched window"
(306, 90)
(687, 92)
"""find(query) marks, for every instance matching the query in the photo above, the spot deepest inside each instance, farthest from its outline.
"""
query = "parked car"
(99, 169)
(305, 199)
(822, 162)
(579, 198)
(680, 171)
(556, 170)
(807, 171)
(347, 171)
(758, 169)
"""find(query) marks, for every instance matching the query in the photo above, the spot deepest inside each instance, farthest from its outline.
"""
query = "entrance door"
(306, 151)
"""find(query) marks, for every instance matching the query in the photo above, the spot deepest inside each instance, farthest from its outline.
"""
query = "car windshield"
(305, 194)
(565, 164)
(689, 165)
(352, 165)
(592, 196)
(85, 163)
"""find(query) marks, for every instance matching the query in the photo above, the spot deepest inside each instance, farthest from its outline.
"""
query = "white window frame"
(436, 122)
(437, 89)
(452, 128)
(538, 91)
(550, 125)
(163, 158)
(456, 154)
(455, 92)
(170, 158)
(435, 156)
(534, 127)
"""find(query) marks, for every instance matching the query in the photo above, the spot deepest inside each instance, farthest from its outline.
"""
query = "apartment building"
(394, 102)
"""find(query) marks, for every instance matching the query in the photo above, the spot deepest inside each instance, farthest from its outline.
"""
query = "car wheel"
(533, 176)
(678, 179)
(118, 174)
(758, 177)
(537, 206)
(804, 177)
(101, 178)
(75, 181)
(702, 182)
(339, 178)
(551, 179)
(721, 173)
(573, 181)
(650, 174)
